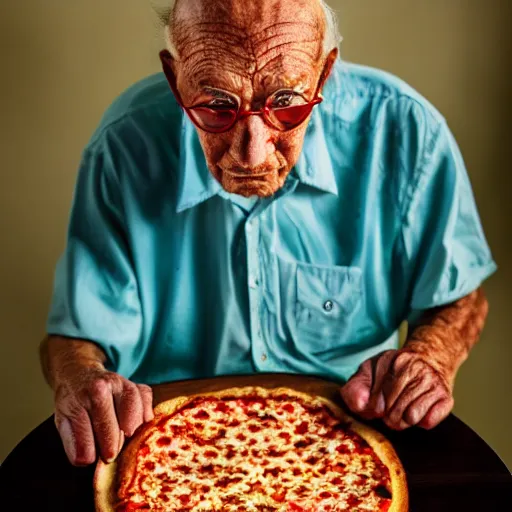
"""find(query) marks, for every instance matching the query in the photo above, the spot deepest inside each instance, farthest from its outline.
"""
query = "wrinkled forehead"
(260, 40)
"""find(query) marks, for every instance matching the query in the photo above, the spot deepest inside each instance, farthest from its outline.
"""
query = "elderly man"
(263, 206)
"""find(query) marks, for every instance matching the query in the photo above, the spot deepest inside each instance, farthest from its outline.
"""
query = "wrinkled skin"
(95, 410)
(401, 388)
(414, 385)
(250, 50)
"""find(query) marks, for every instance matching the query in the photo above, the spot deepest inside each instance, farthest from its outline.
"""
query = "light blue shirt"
(174, 278)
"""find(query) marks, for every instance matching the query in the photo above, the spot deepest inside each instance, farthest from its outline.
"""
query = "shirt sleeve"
(95, 294)
(444, 247)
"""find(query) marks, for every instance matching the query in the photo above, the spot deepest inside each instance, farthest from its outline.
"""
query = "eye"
(283, 99)
(221, 100)
(222, 103)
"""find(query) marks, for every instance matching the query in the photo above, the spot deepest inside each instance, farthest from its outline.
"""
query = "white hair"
(332, 37)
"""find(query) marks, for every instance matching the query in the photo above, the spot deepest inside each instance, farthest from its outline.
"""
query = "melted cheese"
(255, 458)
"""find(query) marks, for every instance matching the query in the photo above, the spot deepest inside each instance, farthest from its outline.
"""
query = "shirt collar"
(196, 184)
(314, 167)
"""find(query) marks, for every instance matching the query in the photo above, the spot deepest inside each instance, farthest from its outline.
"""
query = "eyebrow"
(299, 88)
(217, 93)
(218, 84)
(279, 82)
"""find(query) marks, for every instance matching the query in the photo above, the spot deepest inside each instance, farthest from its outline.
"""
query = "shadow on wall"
(503, 169)
(484, 386)
(31, 155)
(61, 67)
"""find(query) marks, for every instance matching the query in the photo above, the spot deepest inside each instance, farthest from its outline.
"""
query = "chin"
(249, 186)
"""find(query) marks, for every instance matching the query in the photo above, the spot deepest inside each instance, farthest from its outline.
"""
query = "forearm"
(60, 356)
(446, 335)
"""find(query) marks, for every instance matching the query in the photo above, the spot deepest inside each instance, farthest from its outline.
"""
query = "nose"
(251, 144)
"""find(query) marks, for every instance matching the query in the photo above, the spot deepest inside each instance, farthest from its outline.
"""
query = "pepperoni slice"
(344, 449)
(353, 501)
(279, 496)
(184, 498)
(222, 407)
(302, 428)
(285, 436)
(163, 441)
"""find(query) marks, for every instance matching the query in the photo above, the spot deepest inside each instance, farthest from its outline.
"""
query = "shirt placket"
(262, 358)
(259, 349)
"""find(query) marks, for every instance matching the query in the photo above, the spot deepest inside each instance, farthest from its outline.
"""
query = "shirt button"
(328, 305)
(264, 357)
(253, 282)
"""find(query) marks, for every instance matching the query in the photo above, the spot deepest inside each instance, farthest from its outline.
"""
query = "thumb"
(356, 392)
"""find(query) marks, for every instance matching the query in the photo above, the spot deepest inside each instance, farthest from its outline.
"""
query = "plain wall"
(62, 64)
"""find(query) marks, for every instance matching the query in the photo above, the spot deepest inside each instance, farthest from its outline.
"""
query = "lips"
(251, 175)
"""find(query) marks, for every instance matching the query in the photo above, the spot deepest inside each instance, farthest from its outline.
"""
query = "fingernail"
(121, 441)
(119, 448)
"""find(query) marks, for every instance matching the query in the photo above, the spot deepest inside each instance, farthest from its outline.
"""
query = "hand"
(95, 410)
(401, 388)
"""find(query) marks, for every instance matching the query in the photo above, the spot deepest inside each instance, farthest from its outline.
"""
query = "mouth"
(250, 175)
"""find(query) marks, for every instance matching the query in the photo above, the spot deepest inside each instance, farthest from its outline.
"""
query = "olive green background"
(62, 62)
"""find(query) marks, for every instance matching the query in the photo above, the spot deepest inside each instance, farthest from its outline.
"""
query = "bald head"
(180, 12)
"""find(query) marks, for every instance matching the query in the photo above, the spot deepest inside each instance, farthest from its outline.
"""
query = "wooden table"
(449, 468)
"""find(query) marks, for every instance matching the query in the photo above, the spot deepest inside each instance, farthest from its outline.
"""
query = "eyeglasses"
(222, 117)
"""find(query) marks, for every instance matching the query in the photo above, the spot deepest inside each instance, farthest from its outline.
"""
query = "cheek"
(290, 145)
(214, 146)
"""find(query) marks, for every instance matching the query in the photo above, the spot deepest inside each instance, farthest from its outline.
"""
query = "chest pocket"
(326, 302)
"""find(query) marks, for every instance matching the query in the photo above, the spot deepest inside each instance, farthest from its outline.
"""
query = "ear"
(169, 66)
(326, 72)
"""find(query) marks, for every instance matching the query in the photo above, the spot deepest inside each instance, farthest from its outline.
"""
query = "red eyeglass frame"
(264, 112)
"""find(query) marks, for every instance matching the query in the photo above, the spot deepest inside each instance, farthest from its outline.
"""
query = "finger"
(376, 405)
(415, 388)
(437, 413)
(377, 408)
(146, 394)
(419, 407)
(402, 373)
(104, 420)
(356, 392)
(77, 438)
(129, 408)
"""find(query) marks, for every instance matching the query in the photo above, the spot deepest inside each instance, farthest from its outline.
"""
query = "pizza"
(255, 450)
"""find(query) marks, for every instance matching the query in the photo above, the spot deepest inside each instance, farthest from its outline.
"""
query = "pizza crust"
(104, 486)
(106, 474)
(386, 453)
